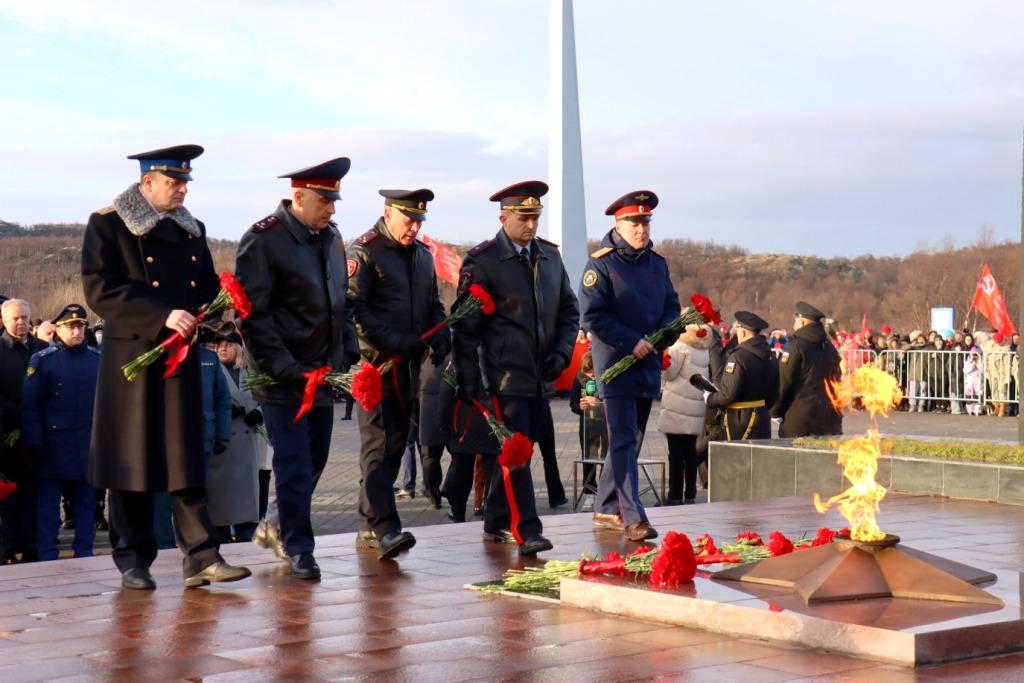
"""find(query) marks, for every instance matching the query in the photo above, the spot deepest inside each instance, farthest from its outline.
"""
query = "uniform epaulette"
(547, 242)
(94, 349)
(481, 248)
(265, 224)
(105, 210)
(47, 351)
(367, 237)
(603, 251)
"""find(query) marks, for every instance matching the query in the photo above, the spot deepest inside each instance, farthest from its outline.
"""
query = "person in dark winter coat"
(146, 269)
(803, 402)
(18, 510)
(432, 437)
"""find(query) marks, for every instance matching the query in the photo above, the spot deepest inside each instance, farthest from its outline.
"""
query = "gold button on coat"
(156, 283)
(149, 259)
(193, 259)
(193, 283)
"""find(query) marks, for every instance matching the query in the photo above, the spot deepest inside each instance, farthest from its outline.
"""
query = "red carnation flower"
(750, 537)
(366, 387)
(516, 451)
(675, 562)
(706, 545)
(641, 550)
(824, 537)
(778, 544)
(481, 295)
(666, 361)
(701, 333)
(239, 299)
(7, 488)
(702, 305)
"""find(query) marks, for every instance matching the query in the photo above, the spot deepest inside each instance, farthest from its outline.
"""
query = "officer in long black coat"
(146, 270)
(392, 290)
(521, 349)
(809, 362)
(749, 383)
(292, 266)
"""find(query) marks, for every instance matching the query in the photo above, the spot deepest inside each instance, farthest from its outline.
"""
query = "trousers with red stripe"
(526, 416)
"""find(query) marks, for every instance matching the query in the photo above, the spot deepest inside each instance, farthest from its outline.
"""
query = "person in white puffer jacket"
(681, 419)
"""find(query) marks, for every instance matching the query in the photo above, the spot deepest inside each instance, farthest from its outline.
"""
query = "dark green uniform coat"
(750, 375)
(137, 267)
(803, 403)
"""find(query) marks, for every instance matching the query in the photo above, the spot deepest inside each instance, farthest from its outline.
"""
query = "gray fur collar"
(140, 217)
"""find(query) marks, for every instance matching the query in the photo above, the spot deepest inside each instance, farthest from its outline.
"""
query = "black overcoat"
(803, 402)
(147, 434)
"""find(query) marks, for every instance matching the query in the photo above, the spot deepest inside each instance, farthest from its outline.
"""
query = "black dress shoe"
(304, 566)
(558, 503)
(138, 578)
(9, 557)
(216, 572)
(101, 525)
(532, 546)
(393, 543)
(367, 540)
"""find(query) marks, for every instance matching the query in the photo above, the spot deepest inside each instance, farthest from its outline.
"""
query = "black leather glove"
(237, 411)
(440, 347)
(467, 393)
(554, 364)
(219, 446)
(254, 418)
(291, 374)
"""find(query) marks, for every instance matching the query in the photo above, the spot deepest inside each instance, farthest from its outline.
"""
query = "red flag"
(988, 300)
(447, 262)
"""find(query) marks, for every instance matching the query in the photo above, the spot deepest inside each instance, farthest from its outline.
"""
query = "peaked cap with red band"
(633, 205)
(523, 198)
(324, 178)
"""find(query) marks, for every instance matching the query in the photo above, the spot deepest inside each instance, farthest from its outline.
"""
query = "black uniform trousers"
(383, 432)
(546, 444)
(458, 484)
(747, 423)
(682, 466)
(526, 416)
(300, 455)
(430, 458)
(131, 529)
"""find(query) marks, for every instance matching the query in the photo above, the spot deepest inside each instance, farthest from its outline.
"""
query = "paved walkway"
(334, 505)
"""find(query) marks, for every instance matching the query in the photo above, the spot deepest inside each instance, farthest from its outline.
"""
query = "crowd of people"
(185, 454)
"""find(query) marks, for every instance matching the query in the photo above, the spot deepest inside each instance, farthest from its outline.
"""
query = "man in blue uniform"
(626, 294)
(292, 266)
(57, 401)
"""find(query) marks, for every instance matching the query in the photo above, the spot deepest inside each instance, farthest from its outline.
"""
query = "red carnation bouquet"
(516, 452)
(231, 295)
(699, 311)
(363, 384)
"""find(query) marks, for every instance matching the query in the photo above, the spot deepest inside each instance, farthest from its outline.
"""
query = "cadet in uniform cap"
(749, 383)
(618, 316)
(810, 360)
(392, 289)
(292, 266)
(515, 355)
(59, 389)
(147, 270)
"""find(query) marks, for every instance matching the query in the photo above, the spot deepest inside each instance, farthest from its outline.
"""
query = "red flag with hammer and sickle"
(989, 301)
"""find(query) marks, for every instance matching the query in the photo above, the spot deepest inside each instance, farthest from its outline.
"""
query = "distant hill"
(41, 263)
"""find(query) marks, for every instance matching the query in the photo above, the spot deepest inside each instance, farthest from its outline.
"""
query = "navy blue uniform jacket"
(625, 295)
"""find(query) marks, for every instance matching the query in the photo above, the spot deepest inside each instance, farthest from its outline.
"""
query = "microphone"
(703, 383)
(590, 389)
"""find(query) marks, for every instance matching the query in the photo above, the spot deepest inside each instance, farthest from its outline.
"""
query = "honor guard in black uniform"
(292, 266)
(146, 270)
(625, 295)
(392, 290)
(57, 405)
(522, 348)
(749, 383)
(809, 362)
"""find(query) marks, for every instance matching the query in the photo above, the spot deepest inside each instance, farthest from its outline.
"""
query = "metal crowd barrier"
(959, 380)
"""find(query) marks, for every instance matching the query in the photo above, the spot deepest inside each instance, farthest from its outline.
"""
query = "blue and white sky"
(808, 127)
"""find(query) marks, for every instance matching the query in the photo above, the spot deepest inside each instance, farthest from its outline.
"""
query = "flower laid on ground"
(778, 544)
(706, 545)
(749, 537)
(675, 562)
(176, 347)
(659, 339)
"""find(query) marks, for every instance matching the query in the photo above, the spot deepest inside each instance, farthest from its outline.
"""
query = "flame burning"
(878, 393)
